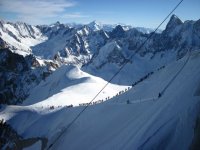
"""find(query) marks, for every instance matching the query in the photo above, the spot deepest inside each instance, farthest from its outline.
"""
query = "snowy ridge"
(61, 88)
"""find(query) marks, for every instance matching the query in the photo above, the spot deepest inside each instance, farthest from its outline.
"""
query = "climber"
(159, 95)
(128, 101)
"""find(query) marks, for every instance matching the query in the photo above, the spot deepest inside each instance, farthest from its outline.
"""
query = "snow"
(49, 48)
(41, 61)
(164, 123)
(83, 31)
(95, 26)
(69, 85)
(66, 42)
(134, 70)
(147, 30)
(147, 122)
(104, 53)
(20, 37)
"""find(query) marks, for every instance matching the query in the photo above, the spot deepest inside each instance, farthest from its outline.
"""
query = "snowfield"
(70, 86)
(148, 122)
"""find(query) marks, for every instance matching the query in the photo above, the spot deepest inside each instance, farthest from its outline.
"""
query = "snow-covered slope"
(20, 36)
(173, 43)
(112, 56)
(152, 122)
(62, 86)
(69, 85)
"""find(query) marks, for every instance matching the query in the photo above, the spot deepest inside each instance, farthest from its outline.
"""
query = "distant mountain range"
(94, 46)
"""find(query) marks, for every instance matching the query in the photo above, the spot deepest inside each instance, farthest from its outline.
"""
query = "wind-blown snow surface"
(69, 85)
(164, 123)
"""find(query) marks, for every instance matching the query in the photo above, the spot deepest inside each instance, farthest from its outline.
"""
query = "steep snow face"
(20, 36)
(69, 85)
(114, 57)
(167, 122)
(57, 35)
(110, 52)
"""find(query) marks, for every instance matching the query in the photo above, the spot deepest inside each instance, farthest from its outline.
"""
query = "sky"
(138, 13)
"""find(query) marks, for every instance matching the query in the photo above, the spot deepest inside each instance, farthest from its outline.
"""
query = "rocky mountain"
(19, 74)
(172, 44)
(93, 46)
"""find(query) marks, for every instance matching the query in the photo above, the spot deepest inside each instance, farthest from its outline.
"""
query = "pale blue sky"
(143, 13)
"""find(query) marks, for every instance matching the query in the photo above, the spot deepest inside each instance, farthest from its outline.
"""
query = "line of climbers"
(142, 79)
(119, 93)
(93, 103)
(126, 89)
(53, 107)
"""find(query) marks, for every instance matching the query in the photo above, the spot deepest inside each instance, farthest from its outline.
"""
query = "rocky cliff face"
(19, 74)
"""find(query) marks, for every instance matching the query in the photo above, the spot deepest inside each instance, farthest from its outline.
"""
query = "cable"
(151, 34)
(172, 80)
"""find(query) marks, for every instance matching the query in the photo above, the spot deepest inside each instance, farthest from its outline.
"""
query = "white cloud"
(73, 15)
(37, 11)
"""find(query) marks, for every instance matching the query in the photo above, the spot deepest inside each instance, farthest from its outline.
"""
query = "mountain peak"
(57, 23)
(93, 22)
(175, 18)
(173, 22)
(95, 25)
(118, 31)
(119, 28)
